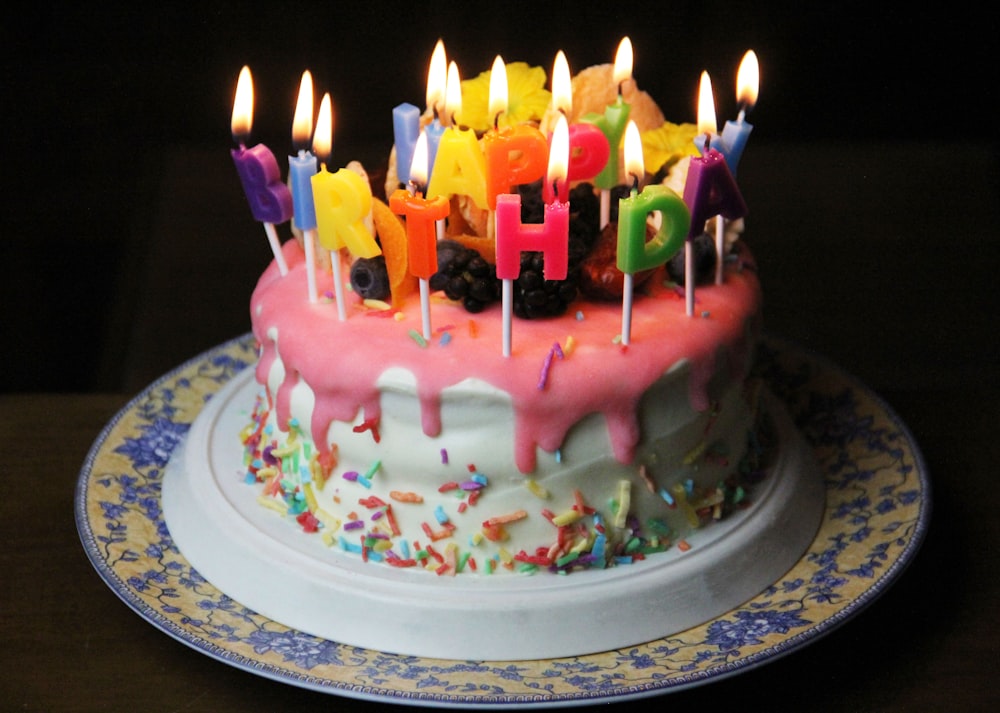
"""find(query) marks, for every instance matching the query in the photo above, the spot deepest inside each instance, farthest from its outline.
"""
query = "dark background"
(94, 100)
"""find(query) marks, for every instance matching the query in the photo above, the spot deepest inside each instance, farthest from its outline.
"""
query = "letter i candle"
(550, 237)
(270, 200)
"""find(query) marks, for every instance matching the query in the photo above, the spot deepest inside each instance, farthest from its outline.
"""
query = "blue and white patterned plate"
(877, 512)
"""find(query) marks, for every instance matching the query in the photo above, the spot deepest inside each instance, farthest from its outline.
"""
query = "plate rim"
(787, 645)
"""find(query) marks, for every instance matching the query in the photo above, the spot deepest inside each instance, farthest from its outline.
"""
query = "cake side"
(573, 445)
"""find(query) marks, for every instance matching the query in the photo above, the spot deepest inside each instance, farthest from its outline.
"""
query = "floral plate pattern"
(877, 512)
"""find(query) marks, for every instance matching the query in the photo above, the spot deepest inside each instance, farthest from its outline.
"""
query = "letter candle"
(270, 200)
(736, 133)
(301, 169)
(709, 190)
(514, 154)
(550, 237)
(612, 124)
(634, 252)
(460, 168)
(421, 214)
(588, 147)
(343, 201)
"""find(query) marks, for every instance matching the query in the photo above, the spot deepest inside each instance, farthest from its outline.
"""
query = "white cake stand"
(270, 566)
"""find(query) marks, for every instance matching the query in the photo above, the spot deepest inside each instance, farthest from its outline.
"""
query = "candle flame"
(418, 166)
(323, 139)
(562, 85)
(498, 89)
(559, 152)
(437, 76)
(453, 94)
(707, 123)
(623, 62)
(748, 80)
(302, 120)
(634, 165)
(243, 107)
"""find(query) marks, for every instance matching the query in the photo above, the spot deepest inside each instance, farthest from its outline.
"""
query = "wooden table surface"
(881, 257)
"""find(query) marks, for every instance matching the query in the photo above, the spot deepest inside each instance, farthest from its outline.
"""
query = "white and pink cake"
(420, 480)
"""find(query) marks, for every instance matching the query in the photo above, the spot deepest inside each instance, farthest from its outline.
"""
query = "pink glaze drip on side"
(318, 348)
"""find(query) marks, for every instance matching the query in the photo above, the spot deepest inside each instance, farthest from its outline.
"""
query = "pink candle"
(551, 237)
(588, 146)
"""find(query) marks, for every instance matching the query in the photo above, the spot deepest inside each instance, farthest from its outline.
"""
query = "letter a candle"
(634, 252)
(270, 200)
(709, 190)
(550, 237)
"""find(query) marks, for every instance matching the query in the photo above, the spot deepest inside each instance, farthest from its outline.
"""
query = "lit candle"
(270, 200)
(421, 215)
(551, 237)
(437, 82)
(343, 201)
(588, 147)
(515, 154)
(736, 133)
(301, 169)
(708, 128)
(709, 190)
(459, 168)
(635, 253)
(612, 124)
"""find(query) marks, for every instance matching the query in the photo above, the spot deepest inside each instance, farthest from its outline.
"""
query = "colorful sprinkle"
(417, 337)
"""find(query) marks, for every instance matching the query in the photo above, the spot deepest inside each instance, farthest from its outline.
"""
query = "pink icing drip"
(313, 343)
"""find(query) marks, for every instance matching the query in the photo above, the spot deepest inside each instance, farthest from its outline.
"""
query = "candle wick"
(555, 188)
(708, 141)
(743, 113)
(496, 120)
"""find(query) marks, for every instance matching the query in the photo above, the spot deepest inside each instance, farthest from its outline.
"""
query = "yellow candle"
(343, 201)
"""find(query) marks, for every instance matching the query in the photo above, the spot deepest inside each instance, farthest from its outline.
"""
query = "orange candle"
(514, 154)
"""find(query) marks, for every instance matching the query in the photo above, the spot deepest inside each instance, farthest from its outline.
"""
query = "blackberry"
(535, 297)
(464, 276)
(704, 261)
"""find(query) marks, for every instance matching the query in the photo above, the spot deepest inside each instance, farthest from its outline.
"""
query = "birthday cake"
(464, 427)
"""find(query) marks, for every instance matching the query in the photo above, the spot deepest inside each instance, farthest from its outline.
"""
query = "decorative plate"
(877, 512)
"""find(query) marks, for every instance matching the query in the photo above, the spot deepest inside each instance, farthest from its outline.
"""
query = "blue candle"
(302, 167)
(405, 129)
(736, 133)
